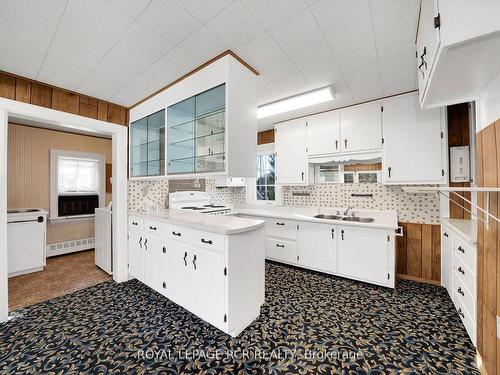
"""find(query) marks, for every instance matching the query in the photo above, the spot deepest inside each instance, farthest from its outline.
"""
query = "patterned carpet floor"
(310, 323)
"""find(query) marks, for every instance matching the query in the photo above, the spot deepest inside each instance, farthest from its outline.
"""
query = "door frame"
(57, 120)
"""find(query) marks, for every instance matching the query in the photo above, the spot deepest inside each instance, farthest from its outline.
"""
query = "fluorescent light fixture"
(306, 99)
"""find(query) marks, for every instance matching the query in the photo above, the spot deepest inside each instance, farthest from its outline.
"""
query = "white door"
(136, 254)
(318, 246)
(412, 151)
(446, 259)
(363, 254)
(208, 285)
(153, 262)
(323, 133)
(291, 156)
(176, 273)
(361, 128)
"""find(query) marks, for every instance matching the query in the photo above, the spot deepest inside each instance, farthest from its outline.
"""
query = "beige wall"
(29, 172)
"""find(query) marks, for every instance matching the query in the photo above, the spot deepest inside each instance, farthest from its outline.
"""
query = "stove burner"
(192, 208)
(212, 206)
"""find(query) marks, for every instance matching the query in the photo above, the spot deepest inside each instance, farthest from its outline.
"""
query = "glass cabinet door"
(147, 146)
(181, 137)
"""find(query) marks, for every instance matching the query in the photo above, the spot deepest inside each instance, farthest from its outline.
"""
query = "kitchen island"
(212, 266)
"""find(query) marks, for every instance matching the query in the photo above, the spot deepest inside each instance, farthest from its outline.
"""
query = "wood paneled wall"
(459, 135)
(29, 91)
(418, 253)
(28, 179)
(488, 245)
(266, 136)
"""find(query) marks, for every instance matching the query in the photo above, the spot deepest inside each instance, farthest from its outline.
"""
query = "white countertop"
(387, 219)
(220, 224)
(466, 228)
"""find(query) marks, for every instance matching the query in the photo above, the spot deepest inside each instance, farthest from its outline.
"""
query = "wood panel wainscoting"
(488, 258)
(265, 136)
(33, 92)
(418, 253)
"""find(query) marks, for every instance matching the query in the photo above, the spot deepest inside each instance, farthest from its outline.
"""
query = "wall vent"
(67, 247)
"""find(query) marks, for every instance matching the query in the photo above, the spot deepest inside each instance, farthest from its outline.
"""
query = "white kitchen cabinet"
(175, 268)
(281, 250)
(414, 149)
(323, 133)
(365, 254)
(154, 253)
(136, 254)
(361, 128)
(317, 246)
(454, 62)
(291, 155)
(447, 258)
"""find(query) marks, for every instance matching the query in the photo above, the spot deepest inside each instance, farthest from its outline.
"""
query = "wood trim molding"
(198, 68)
(418, 279)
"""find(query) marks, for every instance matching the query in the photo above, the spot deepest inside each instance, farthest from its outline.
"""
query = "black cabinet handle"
(280, 223)
(345, 143)
(146, 243)
(152, 228)
(178, 234)
(194, 262)
(389, 171)
(134, 223)
(333, 232)
(185, 256)
(461, 249)
(459, 290)
(140, 242)
(445, 234)
(164, 250)
(461, 270)
(342, 234)
(420, 69)
(302, 176)
(460, 312)
(422, 58)
(206, 241)
(336, 145)
(278, 245)
(164, 285)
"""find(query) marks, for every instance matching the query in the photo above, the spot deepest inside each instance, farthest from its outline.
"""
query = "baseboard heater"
(66, 247)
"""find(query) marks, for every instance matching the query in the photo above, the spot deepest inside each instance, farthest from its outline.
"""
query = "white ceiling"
(124, 50)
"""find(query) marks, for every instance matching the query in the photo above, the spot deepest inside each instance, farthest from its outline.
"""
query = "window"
(336, 173)
(266, 189)
(77, 184)
(329, 173)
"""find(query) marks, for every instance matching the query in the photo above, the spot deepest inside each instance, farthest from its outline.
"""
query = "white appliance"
(196, 201)
(104, 239)
(26, 240)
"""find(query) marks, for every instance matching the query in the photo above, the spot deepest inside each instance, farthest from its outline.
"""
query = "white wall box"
(211, 121)
(460, 164)
(415, 143)
(455, 62)
(219, 278)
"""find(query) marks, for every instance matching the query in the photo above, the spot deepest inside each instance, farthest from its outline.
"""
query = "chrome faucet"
(348, 209)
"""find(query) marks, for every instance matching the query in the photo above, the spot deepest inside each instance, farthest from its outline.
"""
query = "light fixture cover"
(306, 99)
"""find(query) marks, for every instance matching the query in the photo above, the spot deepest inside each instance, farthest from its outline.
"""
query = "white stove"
(196, 201)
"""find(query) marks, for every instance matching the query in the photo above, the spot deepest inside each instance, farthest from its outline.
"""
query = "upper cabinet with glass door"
(147, 146)
(196, 130)
(210, 121)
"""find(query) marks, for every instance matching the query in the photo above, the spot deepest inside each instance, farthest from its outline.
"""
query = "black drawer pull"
(152, 228)
(146, 243)
(342, 234)
(178, 234)
(278, 245)
(461, 249)
(164, 250)
(140, 242)
(164, 285)
(134, 223)
(445, 234)
(461, 270)
(194, 262)
(461, 313)
(280, 223)
(459, 290)
(333, 233)
(206, 241)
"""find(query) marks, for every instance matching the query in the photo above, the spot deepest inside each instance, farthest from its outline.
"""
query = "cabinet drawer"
(465, 252)
(465, 297)
(468, 322)
(154, 227)
(283, 251)
(465, 275)
(177, 233)
(281, 228)
(135, 222)
(210, 241)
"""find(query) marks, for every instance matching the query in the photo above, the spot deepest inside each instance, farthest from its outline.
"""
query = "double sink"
(346, 218)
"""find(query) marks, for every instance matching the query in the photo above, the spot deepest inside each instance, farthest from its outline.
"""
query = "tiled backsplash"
(413, 208)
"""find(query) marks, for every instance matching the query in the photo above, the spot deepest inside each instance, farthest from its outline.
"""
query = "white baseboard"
(66, 247)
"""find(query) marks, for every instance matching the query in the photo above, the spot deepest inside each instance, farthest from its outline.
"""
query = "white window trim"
(55, 154)
(251, 183)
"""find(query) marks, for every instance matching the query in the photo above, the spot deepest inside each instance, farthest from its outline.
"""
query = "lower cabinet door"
(176, 273)
(208, 285)
(281, 250)
(136, 254)
(363, 254)
(317, 245)
(154, 263)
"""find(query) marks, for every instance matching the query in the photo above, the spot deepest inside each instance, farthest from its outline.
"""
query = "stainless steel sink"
(359, 219)
(328, 217)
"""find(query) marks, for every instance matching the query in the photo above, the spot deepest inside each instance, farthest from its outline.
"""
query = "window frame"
(55, 154)
(259, 155)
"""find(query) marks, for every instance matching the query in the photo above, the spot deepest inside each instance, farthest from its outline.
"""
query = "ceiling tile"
(399, 87)
(135, 51)
(235, 25)
(400, 16)
(170, 20)
(361, 73)
(204, 10)
(85, 34)
(167, 69)
(279, 67)
(131, 8)
(368, 90)
(396, 69)
(336, 14)
(38, 21)
(355, 36)
(270, 13)
(260, 51)
(203, 45)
